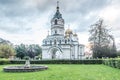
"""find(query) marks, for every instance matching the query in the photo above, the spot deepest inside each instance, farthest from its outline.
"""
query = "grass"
(66, 72)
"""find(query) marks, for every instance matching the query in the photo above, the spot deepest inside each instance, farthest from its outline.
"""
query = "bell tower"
(57, 23)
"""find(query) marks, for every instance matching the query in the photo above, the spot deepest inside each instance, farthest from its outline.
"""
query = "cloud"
(83, 13)
(27, 21)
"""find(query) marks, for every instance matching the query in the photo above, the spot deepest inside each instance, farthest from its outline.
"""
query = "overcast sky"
(28, 21)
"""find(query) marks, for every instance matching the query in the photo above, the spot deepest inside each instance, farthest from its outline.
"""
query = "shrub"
(17, 61)
(113, 62)
(118, 63)
(59, 62)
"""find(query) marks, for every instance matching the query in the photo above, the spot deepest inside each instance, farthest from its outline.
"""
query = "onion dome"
(67, 35)
(68, 31)
(75, 35)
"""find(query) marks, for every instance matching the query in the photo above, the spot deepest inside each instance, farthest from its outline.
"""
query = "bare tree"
(101, 39)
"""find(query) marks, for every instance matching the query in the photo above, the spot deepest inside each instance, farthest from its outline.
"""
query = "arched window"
(45, 42)
(56, 21)
(50, 42)
(65, 41)
(60, 42)
(55, 31)
(68, 40)
(55, 42)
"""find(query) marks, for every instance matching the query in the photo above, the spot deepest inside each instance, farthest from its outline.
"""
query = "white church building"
(61, 43)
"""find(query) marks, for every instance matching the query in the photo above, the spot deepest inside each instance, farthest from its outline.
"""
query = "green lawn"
(66, 72)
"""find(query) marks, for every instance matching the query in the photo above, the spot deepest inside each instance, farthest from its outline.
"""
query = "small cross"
(57, 3)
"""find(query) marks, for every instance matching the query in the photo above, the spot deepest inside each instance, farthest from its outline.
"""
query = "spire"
(57, 14)
(57, 6)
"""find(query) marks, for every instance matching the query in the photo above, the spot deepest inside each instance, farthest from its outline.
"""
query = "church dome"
(68, 31)
(67, 35)
(75, 34)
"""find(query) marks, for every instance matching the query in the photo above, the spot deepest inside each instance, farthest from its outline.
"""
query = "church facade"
(61, 44)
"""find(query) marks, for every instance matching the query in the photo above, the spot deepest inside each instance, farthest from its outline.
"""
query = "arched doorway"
(53, 52)
(56, 52)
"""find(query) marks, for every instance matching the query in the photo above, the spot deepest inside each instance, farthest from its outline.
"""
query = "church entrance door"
(56, 53)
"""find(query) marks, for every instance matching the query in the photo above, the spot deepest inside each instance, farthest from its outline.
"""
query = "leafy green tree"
(31, 51)
(38, 50)
(28, 50)
(34, 50)
(101, 40)
(6, 51)
(21, 51)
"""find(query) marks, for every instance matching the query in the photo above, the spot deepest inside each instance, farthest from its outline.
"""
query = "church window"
(60, 42)
(68, 40)
(65, 41)
(50, 42)
(55, 31)
(55, 42)
(55, 21)
(45, 42)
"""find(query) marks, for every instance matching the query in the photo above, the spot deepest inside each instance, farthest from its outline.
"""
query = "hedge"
(95, 61)
(2, 62)
(115, 62)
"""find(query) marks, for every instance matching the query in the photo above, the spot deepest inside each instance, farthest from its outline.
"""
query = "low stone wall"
(23, 69)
